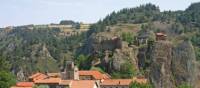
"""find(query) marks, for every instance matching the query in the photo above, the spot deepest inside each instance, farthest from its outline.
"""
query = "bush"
(184, 86)
(6, 79)
(127, 71)
(128, 37)
(138, 85)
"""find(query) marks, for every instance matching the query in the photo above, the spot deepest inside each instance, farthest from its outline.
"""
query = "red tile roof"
(106, 76)
(48, 81)
(24, 84)
(116, 82)
(20, 87)
(65, 82)
(37, 76)
(83, 84)
(55, 75)
(95, 74)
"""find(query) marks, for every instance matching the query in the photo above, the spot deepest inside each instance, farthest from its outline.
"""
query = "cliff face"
(160, 69)
(183, 64)
(173, 66)
(120, 56)
(111, 51)
(101, 42)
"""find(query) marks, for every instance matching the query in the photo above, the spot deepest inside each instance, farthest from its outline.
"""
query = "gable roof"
(55, 75)
(83, 84)
(37, 76)
(94, 74)
(111, 82)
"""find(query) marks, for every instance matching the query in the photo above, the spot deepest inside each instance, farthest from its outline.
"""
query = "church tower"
(70, 71)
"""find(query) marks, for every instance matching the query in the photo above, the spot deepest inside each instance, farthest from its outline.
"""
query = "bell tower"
(70, 71)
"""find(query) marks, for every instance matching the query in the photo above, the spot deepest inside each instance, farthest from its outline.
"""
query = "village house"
(92, 75)
(53, 83)
(71, 77)
(37, 76)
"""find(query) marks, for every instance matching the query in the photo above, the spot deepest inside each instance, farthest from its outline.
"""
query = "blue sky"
(22, 12)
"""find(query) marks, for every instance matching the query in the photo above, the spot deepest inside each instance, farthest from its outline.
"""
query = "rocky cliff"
(112, 52)
(173, 66)
(183, 64)
(160, 70)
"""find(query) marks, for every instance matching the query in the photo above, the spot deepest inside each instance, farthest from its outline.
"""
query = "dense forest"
(184, 22)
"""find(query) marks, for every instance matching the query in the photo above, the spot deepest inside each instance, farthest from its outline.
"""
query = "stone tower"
(70, 71)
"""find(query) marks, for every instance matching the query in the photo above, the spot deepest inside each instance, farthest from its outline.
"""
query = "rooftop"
(116, 82)
(37, 76)
(94, 74)
(83, 84)
(23, 85)
(49, 81)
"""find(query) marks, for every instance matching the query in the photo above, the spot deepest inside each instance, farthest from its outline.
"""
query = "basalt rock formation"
(172, 66)
(160, 69)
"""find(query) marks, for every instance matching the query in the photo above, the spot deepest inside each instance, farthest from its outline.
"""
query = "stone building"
(70, 71)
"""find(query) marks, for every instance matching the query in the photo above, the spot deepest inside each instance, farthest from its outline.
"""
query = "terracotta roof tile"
(83, 84)
(55, 75)
(94, 74)
(106, 76)
(48, 81)
(19, 87)
(116, 82)
(24, 84)
(65, 82)
(37, 76)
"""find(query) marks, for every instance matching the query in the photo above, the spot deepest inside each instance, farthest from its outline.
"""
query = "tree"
(184, 85)
(83, 62)
(128, 37)
(138, 85)
(127, 70)
(4, 65)
(6, 78)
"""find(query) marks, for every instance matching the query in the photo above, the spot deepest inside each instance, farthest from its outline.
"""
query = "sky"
(23, 12)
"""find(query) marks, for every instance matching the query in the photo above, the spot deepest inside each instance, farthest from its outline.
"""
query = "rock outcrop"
(173, 66)
(111, 50)
(183, 64)
(101, 42)
(160, 69)
(120, 56)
